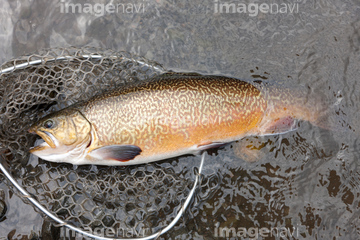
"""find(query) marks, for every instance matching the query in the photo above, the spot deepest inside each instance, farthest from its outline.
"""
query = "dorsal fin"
(193, 74)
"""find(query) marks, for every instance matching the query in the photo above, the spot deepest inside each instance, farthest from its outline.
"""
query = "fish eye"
(49, 124)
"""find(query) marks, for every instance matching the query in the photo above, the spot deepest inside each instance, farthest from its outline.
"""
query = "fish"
(171, 115)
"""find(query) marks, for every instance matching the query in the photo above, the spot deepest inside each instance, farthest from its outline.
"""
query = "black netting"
(136, 197)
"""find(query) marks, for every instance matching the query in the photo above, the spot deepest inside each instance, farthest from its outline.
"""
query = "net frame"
(62, 223)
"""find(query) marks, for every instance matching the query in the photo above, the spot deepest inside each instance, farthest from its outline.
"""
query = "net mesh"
(144, 198)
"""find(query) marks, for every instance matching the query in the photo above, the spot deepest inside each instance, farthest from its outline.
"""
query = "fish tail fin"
(334, 120)
(298, 103)
(287, 104)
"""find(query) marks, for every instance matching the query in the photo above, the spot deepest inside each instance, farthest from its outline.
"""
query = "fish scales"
(169, 113)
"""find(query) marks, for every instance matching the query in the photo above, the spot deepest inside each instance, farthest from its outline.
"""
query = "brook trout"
(171, 115)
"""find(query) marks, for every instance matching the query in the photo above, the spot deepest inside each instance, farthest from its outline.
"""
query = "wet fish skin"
(66, 138)
(171, 115)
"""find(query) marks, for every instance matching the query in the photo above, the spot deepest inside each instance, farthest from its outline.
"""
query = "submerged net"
(130, 201)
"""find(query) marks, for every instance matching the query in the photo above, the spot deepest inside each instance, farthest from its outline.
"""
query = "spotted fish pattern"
(175, 112)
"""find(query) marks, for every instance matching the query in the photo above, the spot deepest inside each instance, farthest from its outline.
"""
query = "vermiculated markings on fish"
(176, 114)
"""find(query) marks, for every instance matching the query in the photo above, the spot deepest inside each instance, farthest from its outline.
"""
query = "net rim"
(85, 56)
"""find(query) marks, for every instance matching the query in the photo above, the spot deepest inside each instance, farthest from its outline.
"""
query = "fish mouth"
(40, 147)
(49, 141)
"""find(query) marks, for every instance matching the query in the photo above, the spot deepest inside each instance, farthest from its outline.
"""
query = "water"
(306, 182)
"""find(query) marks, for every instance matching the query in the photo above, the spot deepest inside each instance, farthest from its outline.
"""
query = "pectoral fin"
(191, 74)
(121, 153)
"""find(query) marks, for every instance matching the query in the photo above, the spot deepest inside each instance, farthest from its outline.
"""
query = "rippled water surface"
(305, 184)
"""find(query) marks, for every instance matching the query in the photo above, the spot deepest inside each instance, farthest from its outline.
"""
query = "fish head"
(66, 135)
